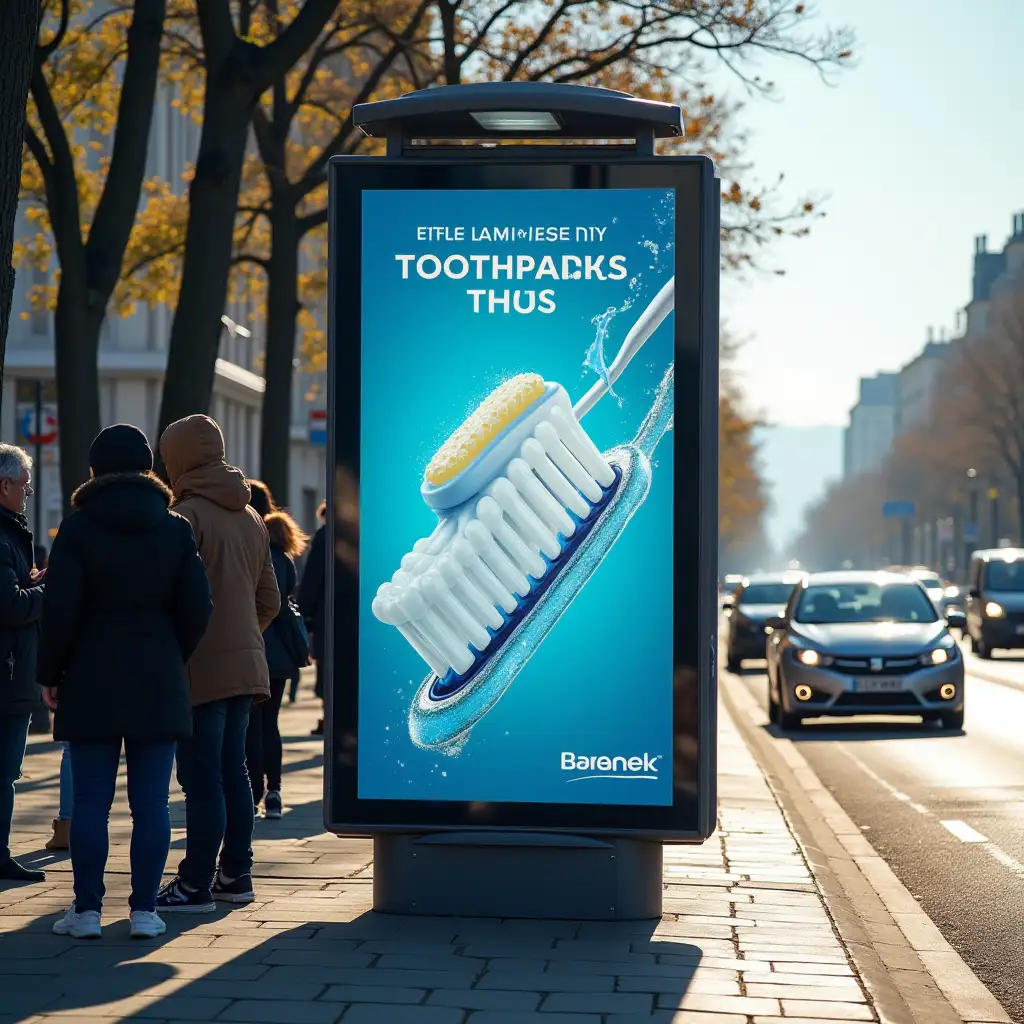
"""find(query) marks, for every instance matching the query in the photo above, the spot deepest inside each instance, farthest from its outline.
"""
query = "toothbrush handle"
(659, 308)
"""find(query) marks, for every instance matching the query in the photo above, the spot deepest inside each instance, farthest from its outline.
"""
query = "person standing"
(126, 603)
(21, 604)
(287, 650)
(312, 601)
(227, 672)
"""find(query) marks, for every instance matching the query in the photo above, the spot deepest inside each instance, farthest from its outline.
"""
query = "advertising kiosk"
(522, 509)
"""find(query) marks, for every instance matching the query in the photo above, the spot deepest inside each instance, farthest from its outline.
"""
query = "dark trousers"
(263, 743)
(218, 797)
(94, 770)
(13, 737)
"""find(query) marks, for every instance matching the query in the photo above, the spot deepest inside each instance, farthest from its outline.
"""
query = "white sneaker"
(79, 926)
(147, 924)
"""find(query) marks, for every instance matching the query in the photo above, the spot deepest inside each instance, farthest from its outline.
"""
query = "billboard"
(516, 572)
(522, 417)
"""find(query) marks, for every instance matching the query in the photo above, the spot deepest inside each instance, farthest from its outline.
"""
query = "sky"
(916, 149)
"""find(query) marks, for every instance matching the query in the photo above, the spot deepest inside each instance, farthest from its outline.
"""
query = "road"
(945, 811)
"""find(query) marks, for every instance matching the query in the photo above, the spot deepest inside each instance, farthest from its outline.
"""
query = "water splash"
(445, 725)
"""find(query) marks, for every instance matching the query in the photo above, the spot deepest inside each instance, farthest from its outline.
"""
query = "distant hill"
(797, 463)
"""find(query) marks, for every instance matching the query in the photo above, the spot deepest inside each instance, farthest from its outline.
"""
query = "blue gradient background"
(601, 683)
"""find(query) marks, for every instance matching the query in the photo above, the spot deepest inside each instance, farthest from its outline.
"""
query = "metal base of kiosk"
(517, 875)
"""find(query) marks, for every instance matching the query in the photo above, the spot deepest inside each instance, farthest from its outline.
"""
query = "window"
(765, 593)
(865, 602)
(1005, 576)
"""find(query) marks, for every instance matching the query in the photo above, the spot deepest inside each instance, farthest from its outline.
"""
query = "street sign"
(898, 509)
(317, 427)
(28, 433)
(971, 533)
(456, 726)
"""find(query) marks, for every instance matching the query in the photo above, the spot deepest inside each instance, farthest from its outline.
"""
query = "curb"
(911, 973)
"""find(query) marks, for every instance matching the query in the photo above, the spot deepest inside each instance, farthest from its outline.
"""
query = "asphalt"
(945, 811)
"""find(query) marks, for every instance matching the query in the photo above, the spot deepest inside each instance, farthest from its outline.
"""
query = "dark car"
(755, 600)
(862, 643)
(995, 601)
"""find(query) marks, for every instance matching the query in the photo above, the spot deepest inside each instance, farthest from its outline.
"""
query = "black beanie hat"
(121, 448)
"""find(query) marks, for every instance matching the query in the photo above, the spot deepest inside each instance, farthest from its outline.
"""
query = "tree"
(741, 494)
(649, 50)
(19, 26)
(237, 71)
(984, 393)
(91, 69)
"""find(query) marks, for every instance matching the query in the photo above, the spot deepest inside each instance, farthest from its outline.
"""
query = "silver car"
(864, 643)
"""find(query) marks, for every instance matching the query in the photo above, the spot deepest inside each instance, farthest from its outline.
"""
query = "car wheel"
(790, 721)
(773, 707)
(732, 663)
(981, 649)
(952, 720)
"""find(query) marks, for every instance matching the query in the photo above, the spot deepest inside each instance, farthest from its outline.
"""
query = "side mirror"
(775, 622)
(974, 592)
(955, 618)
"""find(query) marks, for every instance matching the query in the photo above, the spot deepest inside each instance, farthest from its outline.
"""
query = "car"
(995, 601)
(756, 599)
(931, 581)
(864, 643)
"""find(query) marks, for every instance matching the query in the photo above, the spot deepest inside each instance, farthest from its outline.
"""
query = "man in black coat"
(21, 604)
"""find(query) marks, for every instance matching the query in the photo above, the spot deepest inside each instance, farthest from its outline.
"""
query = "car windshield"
(930, 582)
(1005, 576)
(864, 602)
(766, 593)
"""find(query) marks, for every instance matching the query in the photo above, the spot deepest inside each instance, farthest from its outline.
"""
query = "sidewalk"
(745, 938)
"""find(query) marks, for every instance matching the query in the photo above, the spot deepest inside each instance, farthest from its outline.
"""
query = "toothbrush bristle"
(460, 593)
(499, 409)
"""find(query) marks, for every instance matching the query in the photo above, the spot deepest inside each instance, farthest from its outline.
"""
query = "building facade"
(133, 359)
(872, 429)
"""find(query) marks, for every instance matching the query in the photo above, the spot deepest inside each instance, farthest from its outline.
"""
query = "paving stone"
(597, 1002)
(511, 1017)
(483, 999)
(718, 1004)
(372, 994)
(826, 1011)
(280, 1011)
(451, 962)
(546, 982)
(835, 994)
(381, 1014)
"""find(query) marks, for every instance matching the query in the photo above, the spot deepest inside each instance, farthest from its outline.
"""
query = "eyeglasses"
(20, 483)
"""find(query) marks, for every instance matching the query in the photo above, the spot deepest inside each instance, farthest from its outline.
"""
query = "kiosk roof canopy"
(489, 110)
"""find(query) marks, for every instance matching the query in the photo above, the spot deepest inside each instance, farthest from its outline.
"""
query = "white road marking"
(963, 831)
(1005, 859)
(886, 785)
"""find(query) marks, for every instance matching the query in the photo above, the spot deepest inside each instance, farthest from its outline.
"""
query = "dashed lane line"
(963, 831)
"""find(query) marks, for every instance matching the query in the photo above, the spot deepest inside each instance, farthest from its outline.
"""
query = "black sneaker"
(177, 898)
(272, 806)
(238, 890)
(12, 871)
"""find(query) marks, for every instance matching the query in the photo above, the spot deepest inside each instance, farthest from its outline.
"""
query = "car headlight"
(952, 591)
(993, 610)
(812, 658)
(939, 656)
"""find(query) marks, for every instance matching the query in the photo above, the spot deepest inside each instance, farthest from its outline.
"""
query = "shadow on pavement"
(315, 971)
(818, 730)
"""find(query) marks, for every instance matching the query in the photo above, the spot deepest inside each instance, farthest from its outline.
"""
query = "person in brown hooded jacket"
(227, 672)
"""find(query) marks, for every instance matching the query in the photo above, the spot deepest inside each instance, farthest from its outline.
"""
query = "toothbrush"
(528, 506)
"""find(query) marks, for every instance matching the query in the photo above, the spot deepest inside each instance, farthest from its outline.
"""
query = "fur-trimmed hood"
(124, 501)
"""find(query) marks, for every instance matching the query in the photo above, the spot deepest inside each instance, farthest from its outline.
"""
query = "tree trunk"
(212, 196)
(76, 334)
(19, 26)
(282, 309)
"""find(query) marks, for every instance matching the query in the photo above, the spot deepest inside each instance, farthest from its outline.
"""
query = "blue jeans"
(149, 780)
(67, 785)
(13, 737)
(218, 795)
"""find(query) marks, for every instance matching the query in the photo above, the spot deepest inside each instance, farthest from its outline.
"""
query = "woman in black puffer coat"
(126, 602)
(281, 638)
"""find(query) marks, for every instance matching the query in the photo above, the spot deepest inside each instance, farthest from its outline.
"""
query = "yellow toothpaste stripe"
(503, 405)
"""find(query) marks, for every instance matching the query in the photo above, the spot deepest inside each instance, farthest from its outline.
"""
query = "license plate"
(878, 685)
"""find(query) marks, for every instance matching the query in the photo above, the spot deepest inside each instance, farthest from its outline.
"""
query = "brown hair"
(283, 530)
